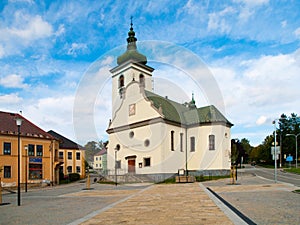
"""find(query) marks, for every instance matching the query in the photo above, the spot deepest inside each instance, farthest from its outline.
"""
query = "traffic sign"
(289, 158)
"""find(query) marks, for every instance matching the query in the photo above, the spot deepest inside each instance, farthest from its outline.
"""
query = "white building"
(100, 160)
(150, 134)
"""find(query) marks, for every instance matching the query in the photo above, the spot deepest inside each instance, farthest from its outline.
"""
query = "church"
(156, 136)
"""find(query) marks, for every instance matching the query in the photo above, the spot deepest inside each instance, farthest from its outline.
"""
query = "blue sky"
(250, 47)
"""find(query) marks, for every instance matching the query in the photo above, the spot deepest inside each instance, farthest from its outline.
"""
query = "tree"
(91, 148)
(288, 125)
(245, 143)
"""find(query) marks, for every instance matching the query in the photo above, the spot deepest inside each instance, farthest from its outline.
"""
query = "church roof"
(131, 53)
(186, 114)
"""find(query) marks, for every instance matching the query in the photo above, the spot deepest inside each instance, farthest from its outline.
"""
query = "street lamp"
(117, 148)
(26, 170)
(19, 123)
(296, 137)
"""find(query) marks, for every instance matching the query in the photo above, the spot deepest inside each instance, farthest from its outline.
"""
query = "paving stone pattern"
(164, 204)
(263, 201)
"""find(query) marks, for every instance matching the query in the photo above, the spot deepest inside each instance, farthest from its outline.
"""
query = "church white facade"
(153, 135)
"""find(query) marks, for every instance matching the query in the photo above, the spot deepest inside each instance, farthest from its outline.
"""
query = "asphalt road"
(269, 174)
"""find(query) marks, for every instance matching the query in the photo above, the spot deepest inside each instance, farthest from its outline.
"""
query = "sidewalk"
(263, 201)
(164, 204)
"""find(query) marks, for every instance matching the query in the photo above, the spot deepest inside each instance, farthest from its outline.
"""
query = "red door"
(131, 165)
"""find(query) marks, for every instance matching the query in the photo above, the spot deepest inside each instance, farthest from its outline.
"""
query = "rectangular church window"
(211, 142)
(193, 144)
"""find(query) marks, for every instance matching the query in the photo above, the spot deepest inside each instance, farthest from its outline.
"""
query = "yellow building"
(71, 156)
(42, 155)
(37, 152)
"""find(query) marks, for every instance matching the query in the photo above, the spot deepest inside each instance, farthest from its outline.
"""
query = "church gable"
(135, 108)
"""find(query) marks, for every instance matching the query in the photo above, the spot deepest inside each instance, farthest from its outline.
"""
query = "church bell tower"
(131, 67)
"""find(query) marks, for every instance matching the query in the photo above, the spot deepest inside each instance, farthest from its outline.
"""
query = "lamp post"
(117, 148)
(26, 170)
(275, 153)
(296, 137)
(19, 123)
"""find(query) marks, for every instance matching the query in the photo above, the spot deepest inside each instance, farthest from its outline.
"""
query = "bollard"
(232, 175)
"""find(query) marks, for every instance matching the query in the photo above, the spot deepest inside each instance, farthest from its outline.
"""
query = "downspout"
(186, 149)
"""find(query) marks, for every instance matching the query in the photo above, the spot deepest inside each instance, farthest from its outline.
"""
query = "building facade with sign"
(153, 135)
(37, 152)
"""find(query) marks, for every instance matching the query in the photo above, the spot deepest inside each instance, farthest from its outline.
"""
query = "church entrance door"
(131, 165)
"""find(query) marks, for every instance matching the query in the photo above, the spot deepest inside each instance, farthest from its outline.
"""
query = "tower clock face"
(131, 109)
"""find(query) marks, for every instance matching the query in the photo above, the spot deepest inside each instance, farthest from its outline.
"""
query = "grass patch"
(292, 170)
(207, 178)
(107, 182)
(170, 180)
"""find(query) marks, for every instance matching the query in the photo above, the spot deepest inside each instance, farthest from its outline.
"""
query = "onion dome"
(131, 52)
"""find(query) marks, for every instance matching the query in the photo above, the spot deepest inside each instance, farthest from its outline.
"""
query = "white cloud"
(259, 90)
(9, 99)
(283, 23)
(31, 28)
(13, 81)
(261, 120)
(61, 30)
(253, 2)
(77, 48)
(2, 52)
(297, 32)
(218, 20)
(26, 1)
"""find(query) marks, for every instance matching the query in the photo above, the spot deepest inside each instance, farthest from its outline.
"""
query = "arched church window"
(142, 80)
(121, 81)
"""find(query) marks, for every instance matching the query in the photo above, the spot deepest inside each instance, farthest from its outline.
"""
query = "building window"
(181, 142)
(147, 162)
(61, 155)
(192, 144)
(69, 168)
(7, 148)
(35, 171)
(7, 171)
(39, 150)
(142, 80)
(96, 165)
(69, 155)
(121, 81)
(146, 142)
(211, 142)
(100, 158)
(96, 158)
(77, 169)
(131, 134)
(118, 164)
(172, 140)
(30, 150)
(77, 155)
